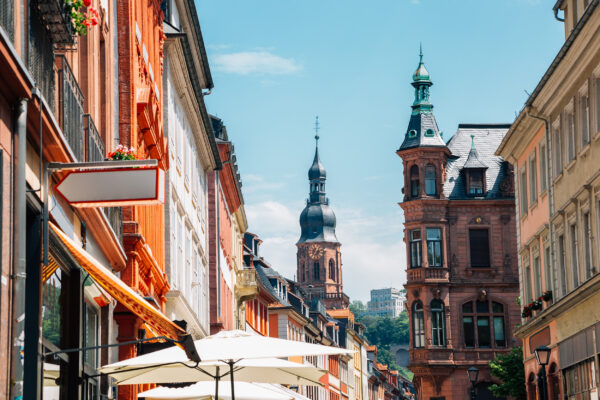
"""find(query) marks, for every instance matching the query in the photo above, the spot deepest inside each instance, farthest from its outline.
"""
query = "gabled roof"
(486, 139)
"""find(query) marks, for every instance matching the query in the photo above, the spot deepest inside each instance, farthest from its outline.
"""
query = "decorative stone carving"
(479, 220)
(507, 186)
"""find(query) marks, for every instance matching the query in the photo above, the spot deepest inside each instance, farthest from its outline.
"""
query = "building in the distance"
(387, 302)
(462, 277)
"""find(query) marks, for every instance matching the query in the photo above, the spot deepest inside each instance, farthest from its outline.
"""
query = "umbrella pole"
(231, 378)
(217, 377)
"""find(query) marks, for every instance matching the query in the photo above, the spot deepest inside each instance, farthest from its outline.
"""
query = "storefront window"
(52, 297)
(579, 380)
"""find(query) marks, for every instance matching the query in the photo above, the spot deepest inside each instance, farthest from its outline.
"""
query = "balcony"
(427, 275)
(70, 108)
(94, 145)
(338, 296)
(56, 18)
(246, 287)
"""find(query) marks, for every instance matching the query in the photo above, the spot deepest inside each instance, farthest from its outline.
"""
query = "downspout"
(550, 184)
(19, 246)
(218, 229)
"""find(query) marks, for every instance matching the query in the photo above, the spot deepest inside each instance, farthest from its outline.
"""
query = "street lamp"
(473, 374)
(542, 354)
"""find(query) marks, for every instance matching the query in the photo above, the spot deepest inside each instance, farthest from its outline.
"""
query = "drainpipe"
(19, 247)
(549, 177)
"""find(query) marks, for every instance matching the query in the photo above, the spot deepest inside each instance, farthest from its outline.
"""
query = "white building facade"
(387, 302)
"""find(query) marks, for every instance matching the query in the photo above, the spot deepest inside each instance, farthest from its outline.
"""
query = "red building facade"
(462, 278)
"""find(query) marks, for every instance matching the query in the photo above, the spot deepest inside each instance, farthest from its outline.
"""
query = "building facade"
(192, 153)
(319, 256)
(462, 278)
(554, 146)
(387, 302)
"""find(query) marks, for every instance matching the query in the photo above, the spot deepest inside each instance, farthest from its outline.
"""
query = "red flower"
(87, 3)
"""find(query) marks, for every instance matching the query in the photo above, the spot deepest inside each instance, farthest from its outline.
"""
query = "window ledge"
(557, 178)
(596, 136)
(533, 205)
(543, 193)
(586, 149)
(570, 164)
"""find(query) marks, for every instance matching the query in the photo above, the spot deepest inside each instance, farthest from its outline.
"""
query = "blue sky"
(276, 64)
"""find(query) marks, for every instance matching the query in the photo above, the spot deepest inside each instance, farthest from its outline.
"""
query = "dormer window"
(475, 182)
(415, 188)
(429, 133)
(412, 133)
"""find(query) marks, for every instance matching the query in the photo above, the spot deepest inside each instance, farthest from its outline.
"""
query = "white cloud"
(261, 62)
(256, 183)
(373, 254)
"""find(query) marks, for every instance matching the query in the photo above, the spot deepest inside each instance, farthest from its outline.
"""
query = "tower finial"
(472, 141)
(317, 130)
(420, 53)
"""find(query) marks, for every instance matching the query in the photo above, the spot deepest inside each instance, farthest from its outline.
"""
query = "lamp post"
(542, 355)
(473, 374)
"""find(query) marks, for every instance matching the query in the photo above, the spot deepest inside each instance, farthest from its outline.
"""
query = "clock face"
(315, 251)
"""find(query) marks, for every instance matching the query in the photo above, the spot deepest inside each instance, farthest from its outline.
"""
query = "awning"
(125, 295)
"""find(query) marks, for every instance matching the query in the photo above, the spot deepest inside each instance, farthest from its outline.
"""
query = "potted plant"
(122, 153)
(83, 15)
(526, 312)
(536, 305)
(547, 295)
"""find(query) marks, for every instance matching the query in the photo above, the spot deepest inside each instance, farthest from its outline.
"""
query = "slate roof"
(487, 138)
(263, 274)
(420, 123)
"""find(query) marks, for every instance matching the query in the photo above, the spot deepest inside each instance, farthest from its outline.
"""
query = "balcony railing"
(70, 108)
(426, 274)
(40, 58)
(335, 296)
(246, 285)
(57, 20)
(7, 16)
(115, 219)
(94, 145)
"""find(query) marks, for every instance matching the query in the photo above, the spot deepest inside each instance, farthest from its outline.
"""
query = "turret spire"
(421, 83)
(317, 130)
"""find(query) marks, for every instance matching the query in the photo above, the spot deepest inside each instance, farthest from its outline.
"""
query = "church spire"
(317, 173)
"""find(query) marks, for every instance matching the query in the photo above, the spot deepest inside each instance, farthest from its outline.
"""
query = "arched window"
(316, 274)
(331, 270)
(430, 186)
(418, 320)
(415, 188)
(483, 324)
(438, 327)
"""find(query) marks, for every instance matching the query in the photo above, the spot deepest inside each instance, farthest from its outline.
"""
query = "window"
(483, 325)
(574, 255)
(587, 244)
(580, 380)
(415, 248)
(523, 190)
(434, 247)
(543, 168)
(418, 325)
(415, 190)
(584, 118)
(597, 98)
(558, 152)
(438, 329)
(316, 271)
(430, 186)
(479, 247)
(412, 133)
(532, 179)
(562, 265)
(548, 272)
(331, 270)
(570, 130)
(537, 278)
(429, 133)
(475, 182)
(527, 281)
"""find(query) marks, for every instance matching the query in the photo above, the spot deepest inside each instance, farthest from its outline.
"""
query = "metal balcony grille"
(7, 15)
(94, 144)
(40, 57)
(70, 108)
(115, 219)
(57, 21)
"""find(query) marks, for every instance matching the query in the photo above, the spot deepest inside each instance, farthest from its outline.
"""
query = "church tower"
(319, 257)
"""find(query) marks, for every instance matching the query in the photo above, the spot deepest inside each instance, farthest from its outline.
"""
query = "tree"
(509, 369)
(358, 307)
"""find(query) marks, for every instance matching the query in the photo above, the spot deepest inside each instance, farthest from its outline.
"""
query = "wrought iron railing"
(40, 57)
(7, 17)
(115, 219)
(70, 108)
(57, 20)
(94, 145)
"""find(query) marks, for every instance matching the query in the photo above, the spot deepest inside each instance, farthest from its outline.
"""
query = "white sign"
(113, 187)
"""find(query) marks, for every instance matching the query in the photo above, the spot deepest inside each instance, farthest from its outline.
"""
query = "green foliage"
(384, 332)
(509, 369)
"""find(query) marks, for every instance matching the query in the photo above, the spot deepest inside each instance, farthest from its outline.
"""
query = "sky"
(276, 64)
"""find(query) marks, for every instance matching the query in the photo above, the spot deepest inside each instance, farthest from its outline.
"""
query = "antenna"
(317, 129)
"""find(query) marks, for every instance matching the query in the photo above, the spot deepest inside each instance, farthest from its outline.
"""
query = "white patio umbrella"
(139, 371)
(230, 347)
(206, 390)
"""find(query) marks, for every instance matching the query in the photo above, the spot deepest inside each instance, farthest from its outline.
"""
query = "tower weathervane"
(317, 129)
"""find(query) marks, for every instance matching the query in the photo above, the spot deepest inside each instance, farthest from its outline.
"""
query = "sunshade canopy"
(206, 390)
(272, 370)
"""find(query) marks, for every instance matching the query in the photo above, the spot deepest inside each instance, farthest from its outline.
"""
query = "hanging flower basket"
(122, 153)
(83, 15)
(526, 312)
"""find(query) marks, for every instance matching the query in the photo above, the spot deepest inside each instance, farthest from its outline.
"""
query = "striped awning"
(119, 290)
